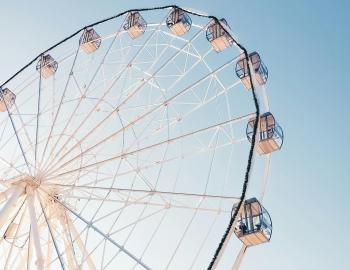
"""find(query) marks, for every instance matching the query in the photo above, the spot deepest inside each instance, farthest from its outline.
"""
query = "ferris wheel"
(125, 146)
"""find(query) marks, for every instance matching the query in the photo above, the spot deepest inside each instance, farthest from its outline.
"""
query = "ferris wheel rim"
(240, 46)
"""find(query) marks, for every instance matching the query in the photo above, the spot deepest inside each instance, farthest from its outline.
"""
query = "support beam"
(29, 251)
(34, 228)
(49, 252)
(5, 212)
(5, 194)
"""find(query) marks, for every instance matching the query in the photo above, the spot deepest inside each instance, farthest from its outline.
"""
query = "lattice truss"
(133, 160)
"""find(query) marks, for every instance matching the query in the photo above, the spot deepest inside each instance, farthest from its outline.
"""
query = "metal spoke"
(150, 192)
(15, 130)
(60, 103)
(38, 113)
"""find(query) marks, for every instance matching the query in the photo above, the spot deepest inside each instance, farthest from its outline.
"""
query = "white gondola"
(90, 41)
(135, 25)
(270, 134)
(179, 22)
(47, 66)
(8, 97)
(259, 69)
(218, 36)
(254, 225)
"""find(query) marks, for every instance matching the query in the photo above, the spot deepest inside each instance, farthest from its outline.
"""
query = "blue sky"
(305, 46)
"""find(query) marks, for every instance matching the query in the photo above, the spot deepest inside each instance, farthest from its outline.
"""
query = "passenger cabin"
(7, 97)
(254, 225)
(178, 22)
(47, 66)
(219, 38)
(270, 134)
(135, 25)
(259, 69)
(89, 41)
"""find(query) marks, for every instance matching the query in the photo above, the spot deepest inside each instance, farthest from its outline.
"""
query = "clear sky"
(305, 45)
